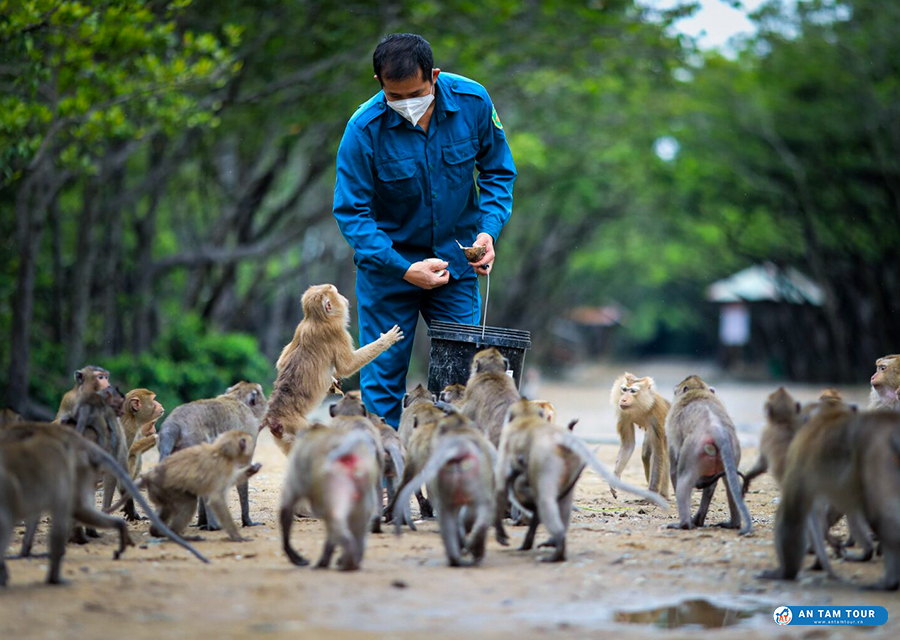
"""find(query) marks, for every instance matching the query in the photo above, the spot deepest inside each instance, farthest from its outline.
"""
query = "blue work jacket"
(402, 195)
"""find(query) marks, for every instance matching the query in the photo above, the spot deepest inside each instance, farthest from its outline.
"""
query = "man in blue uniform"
(405, 192)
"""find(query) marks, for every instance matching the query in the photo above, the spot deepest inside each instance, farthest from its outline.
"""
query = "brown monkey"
(140, 413)
(205, 471)
(782, 424)
(539, 464)
(336, 471)
(321, 347)
(453, 394)
(241, 407)
(638, 403)
(703, 446)
(418, 451)
(848, 460)
(460, 478)
(89, 379)
(48, 468)
(8, 416)
(832, 393)
(886, 384)
(417, 405)
(489, 393)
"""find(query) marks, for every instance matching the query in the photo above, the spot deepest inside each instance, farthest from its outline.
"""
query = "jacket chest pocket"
(459, 162)
(397, 180)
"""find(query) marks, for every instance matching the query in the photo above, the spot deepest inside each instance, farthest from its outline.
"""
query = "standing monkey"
(89, 379)
(637, 403)
(321, 347)
(241, 407)
(782, 424)
(886, 384)
(489, 393)
(337, 472)
(417, 404)
(703, 447)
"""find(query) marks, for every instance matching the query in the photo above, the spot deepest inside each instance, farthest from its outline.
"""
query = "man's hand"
(484, 265)
(423, 274)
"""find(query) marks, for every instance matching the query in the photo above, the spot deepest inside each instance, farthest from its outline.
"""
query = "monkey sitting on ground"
(638, 403)
(321, 347)
(886, 384)
(849, 461)
(89, 379)
(337, 472)
(48, 468)
(489, 393)
(418, 404)
(703, 446)
(204, 471)
(460, 478)
(241, 407)
(453, 394)
(539, 464)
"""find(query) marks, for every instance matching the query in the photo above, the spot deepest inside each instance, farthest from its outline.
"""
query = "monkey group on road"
(474, 455)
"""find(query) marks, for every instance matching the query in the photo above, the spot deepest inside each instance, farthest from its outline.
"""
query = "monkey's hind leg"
(425, 508)
(448, 523)
(60, 527)
(206, 519)
(287, 521)
(90, 516)
(28, 542)
(6, 531)
(243, 490)
(684, 485)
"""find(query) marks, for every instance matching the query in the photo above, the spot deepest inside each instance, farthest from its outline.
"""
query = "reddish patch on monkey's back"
(709, 462)
(349, 461)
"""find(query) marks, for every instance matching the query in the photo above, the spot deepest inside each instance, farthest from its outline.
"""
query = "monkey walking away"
(886, 384)
(489, 393)
(321, 347)
(204, 471)
(539, 465)
(89, 379)
(50, 469)
(336, 471)
(638, 403)
(847, 460)
(418, 407)
(703, 447)
(460, 478)
(241, 407)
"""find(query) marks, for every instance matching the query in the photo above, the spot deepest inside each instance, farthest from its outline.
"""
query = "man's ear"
(434, 74)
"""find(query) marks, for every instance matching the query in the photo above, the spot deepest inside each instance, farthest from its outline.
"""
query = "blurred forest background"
(167, 170)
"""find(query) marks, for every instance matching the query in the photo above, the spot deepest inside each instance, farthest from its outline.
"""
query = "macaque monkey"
(782, 424)
(886, 384)
(847, 460)
(489, 393)
(322, 347)
(638, 403)
(206, 471)
(539, 464)
(337, 472)
(703, 446)
(140, 413)
(416, 404)
(241, 407)
(418, 451)
(460, 478)
(50, 469)
(89, 379)
(453, 394)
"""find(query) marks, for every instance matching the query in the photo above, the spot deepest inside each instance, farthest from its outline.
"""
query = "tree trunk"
(82, 277)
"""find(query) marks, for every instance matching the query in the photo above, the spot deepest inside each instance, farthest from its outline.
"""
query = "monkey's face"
(629, 396)
(887, 374)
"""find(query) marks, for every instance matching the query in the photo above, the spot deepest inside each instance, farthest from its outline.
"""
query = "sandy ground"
(620, 558)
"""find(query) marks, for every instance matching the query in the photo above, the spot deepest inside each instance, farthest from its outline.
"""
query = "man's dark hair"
(402, 55)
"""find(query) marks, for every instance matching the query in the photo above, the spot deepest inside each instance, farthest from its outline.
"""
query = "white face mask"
(412, 108)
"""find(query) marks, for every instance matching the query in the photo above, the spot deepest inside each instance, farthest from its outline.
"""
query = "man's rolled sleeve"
(496, 173)
(354, 189)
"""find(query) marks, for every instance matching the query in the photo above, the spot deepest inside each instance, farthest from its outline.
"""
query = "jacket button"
(434, 194)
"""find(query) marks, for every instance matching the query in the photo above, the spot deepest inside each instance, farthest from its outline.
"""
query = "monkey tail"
(132, 489)
(733, 481)
(577, 445)
(396, 458)
(124, 497)
(449, 448)
(349, 442)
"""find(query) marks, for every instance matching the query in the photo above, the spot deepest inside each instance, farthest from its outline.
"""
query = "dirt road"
(621, 560)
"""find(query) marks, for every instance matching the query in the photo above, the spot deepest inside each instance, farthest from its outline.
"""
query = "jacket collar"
(444, 103)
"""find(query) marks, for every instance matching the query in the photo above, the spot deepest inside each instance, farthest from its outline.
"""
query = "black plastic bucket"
(454, 345)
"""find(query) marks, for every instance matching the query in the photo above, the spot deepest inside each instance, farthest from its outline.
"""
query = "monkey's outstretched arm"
(347, 361)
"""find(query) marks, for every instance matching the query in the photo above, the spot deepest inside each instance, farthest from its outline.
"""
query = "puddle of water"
(690, 613)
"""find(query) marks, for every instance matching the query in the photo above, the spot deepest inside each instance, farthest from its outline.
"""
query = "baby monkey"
(207, 471)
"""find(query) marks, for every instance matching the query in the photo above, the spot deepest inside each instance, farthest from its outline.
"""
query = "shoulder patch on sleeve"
(495, 118)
